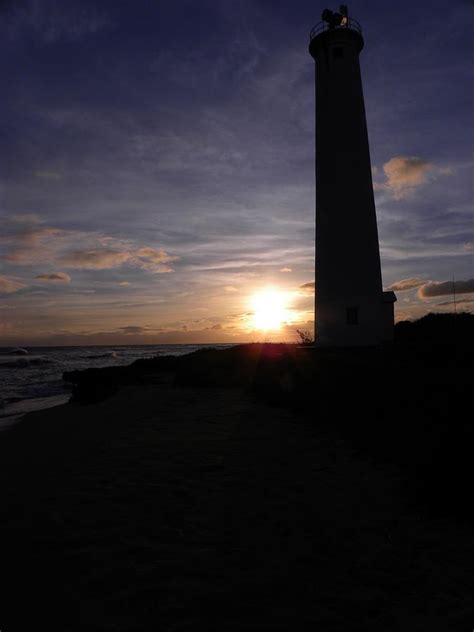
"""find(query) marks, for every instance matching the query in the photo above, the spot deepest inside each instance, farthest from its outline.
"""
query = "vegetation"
(305, 336)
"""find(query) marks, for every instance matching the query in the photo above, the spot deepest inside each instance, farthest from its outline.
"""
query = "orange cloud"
(60, 277)
(307, 288)
(153, 260)
(107, 258)
(95, 259)
(154, 256)
(28, 242)
(404, 174)
(405, 284)
(445, 288)
(8, 286)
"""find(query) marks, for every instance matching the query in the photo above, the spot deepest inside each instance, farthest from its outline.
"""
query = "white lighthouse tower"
(351, 308)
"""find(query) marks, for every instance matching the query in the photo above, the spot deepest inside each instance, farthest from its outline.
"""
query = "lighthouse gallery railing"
(351, 24)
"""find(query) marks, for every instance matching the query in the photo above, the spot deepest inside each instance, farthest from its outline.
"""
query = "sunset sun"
(270, 310)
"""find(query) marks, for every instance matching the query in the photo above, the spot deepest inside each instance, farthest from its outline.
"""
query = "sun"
(270, 310)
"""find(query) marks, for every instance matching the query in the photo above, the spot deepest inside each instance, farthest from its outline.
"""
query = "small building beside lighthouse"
(351, 308)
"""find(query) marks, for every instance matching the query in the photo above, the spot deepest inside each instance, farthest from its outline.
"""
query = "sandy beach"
(203, 508)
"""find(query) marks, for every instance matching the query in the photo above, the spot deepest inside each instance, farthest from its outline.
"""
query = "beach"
(174, 507)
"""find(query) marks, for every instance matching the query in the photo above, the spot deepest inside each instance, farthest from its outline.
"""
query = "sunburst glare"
(270, 310)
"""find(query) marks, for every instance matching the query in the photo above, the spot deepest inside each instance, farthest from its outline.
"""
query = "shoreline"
(37, 374)
(12, 412)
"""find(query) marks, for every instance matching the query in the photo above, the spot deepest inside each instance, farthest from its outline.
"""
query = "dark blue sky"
(157, 162)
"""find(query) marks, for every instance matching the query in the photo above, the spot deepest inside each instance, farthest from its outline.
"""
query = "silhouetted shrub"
(437, 328)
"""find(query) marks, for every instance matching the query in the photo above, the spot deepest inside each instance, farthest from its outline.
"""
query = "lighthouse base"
(355, 322)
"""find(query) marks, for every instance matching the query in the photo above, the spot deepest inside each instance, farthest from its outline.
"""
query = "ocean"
(31, 378)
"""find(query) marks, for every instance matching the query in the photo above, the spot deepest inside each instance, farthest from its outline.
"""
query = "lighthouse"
(351, 308)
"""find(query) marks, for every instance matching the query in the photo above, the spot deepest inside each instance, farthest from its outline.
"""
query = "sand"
(168, 508)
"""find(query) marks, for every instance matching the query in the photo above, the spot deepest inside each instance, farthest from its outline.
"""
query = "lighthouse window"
(337, 53)
(352, 315)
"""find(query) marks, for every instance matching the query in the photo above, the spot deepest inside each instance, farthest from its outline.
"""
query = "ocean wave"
(16, 409)
(97, 356)
(7, 362)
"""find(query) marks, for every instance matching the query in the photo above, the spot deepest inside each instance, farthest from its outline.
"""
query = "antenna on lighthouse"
(343, 11)
(334, 19)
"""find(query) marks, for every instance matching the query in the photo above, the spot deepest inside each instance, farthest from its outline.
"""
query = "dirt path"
(184, 509)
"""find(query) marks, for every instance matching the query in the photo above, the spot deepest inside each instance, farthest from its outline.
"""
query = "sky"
(157, 165)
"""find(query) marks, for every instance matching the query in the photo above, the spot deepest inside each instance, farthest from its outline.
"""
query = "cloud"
(60, 277)
(230, 288)
(406, 284)
(154, 256)
(307, 288)
(104, 259)
(26, 241)
(153, 260)
(124, 283)
(285, 270)
(134, 329)
(463, 301)
(444, 288)
(8, 286)
(404, 174)
(28, 231)
(152, 267)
